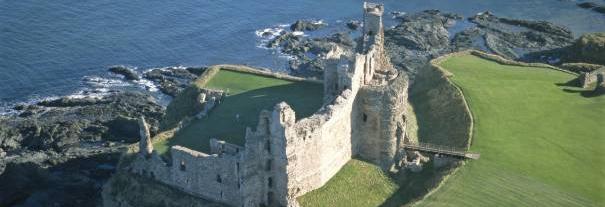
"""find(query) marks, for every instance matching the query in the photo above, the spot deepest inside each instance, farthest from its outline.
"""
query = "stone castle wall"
(214, 177)
(363, 115)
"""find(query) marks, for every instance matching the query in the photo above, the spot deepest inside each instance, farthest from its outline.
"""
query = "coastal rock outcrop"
(589, 48)
(513, 38)
(128, 73)
(593, 6)
(63, 150)
(173, 80)
(306, 50)
(418, 38)
(306, 25)
(353, 24)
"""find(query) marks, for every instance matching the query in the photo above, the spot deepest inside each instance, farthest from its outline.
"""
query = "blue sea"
(56, 48)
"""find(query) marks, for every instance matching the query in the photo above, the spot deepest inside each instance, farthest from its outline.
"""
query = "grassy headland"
(541, 143)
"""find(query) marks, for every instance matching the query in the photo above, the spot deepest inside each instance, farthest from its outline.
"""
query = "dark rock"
(69, 102)
(196, 70)
(514, 38)
(587, 5)
(306, 50)
(121, 129)
(53, 155)
(126, 72)
(173, 80)
(353, 24)
(417, 35)
(19, 180)
(19, 107)
(600, 9)
(589, 48)
(305, 25)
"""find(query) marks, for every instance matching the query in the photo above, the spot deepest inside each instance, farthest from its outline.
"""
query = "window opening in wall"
(270, 182)
(219, 179)
(182, 167)
(268, 146)
(269, 198)
(268, 165)
(267, 125)
(365, 117)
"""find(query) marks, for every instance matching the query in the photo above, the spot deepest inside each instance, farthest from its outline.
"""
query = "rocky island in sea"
(62, 151)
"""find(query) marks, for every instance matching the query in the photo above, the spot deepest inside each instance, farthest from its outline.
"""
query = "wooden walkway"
(440, 149)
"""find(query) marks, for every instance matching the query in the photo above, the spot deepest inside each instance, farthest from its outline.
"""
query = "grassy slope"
(363, 184)
(539, 145)
(248, 95)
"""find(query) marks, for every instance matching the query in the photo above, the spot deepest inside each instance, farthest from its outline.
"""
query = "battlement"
(373, 8)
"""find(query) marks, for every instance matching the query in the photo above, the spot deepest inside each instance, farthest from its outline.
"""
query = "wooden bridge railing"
(442, 149)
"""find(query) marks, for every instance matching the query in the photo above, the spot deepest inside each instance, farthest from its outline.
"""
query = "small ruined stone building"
(363, 116)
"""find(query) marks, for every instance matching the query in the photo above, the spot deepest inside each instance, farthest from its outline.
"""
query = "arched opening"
(219, 179)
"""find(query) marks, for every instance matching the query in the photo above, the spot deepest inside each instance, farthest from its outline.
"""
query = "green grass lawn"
(358, 183)
(541, 143)
(248, 94)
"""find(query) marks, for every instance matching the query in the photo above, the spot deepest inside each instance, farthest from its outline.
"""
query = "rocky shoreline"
(60, 151)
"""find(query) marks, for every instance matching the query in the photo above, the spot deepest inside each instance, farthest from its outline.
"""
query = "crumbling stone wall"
(214, 177)
(363, 115)
(590, 78)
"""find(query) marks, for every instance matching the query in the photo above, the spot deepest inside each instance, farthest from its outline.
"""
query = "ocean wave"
(101, 82)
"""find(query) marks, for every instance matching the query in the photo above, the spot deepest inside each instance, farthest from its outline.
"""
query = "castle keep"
(363, 116)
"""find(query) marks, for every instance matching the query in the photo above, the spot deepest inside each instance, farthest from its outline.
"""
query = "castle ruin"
(363, 116)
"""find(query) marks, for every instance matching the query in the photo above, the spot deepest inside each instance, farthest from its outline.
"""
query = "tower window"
(270, 182)
(268, 165)
(219, 179)
(182, 167)
(270, 198)
(365, 117)
(268, 146)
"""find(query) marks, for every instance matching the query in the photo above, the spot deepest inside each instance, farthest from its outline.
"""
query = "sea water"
(56, 48)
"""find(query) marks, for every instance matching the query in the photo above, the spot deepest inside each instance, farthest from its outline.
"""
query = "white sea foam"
(101, 82)
(147, 85)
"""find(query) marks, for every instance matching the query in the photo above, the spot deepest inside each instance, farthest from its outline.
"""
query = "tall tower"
(372, 23)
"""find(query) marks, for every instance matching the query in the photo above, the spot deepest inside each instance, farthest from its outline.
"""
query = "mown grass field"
(542, 141)
(248, 94)
(358, 183)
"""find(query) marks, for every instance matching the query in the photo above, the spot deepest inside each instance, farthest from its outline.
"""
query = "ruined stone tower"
(145, 145)
(283, 158)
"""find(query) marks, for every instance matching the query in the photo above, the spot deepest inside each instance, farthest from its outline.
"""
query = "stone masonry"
(364, 115)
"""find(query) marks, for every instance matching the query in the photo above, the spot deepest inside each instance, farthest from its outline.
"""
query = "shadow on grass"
(442, 119)
(414, 186)
(572, 83)
(221, 123)
(586, 93)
